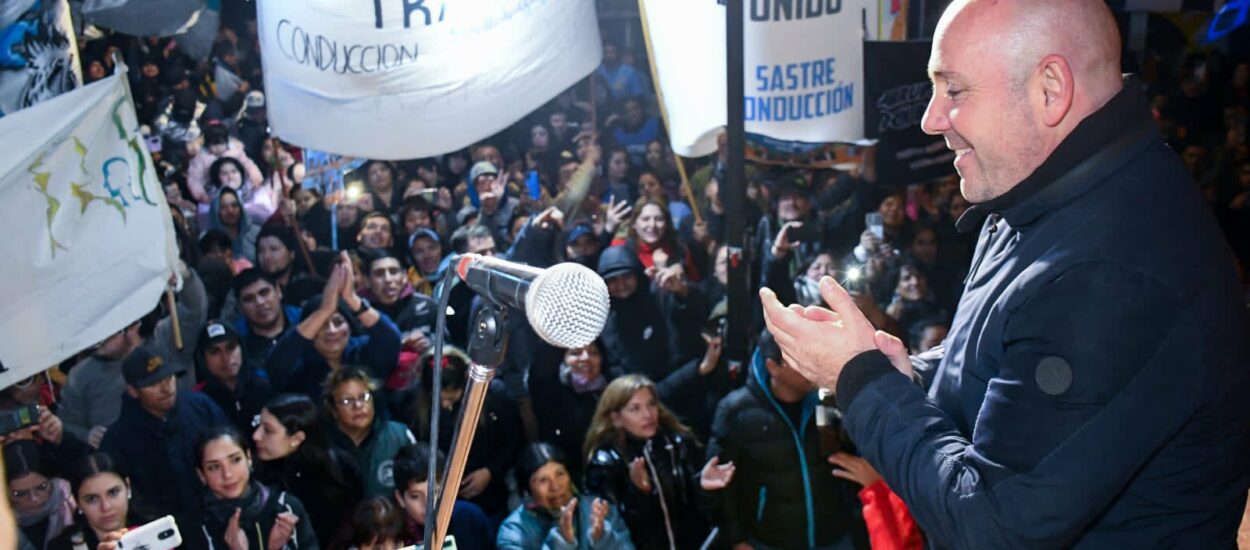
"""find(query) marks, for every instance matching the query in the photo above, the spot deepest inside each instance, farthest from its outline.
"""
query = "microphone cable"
(443, 293)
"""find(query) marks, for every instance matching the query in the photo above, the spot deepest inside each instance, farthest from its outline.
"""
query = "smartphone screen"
(875, 224)
(15, 420)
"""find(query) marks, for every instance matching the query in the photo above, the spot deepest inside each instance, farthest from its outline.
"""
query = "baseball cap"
(580, 230)
(255, 99)
(216, 332)
(142, 368)
(481, 168)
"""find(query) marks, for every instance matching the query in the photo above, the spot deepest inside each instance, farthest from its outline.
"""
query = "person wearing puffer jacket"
(552, 516)
(217, 144)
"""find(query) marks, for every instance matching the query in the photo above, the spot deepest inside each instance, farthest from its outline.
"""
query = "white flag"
(395, 79)
(88, 239)
(803, 69)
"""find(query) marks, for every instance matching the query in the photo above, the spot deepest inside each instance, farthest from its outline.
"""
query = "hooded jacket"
(244, 245)
(651, 332)
(782, 493)
(197, 170)
(376, 454)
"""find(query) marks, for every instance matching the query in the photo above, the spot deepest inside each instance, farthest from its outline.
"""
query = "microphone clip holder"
(487, 347)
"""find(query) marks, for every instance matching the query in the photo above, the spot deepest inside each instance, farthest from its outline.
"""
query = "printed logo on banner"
(899, 90)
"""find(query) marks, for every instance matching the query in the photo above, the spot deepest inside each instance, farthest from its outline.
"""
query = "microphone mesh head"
(567, 305)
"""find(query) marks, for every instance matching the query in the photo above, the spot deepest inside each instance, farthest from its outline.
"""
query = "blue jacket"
(295, 366)
(537, 529)
(159, 454)
(1092, 392)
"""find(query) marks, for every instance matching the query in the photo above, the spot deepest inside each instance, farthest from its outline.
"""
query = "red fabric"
(646, 250)
(890, 525)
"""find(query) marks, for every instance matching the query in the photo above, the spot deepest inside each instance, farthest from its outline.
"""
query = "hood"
(618, 259)
(215, 223)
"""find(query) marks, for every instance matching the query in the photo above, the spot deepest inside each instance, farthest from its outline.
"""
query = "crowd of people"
(297, 414)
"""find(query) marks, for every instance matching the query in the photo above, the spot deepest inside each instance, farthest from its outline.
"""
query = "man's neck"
(160, 415)
(785, 394)
(230, 383)
(273, 330)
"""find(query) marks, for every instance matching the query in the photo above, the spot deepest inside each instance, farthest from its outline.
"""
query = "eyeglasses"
(30, 494)
(355, 402)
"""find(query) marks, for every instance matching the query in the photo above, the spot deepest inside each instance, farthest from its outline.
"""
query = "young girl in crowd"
(102, 492)
(643, 459)
(468, 523)
(241, 513)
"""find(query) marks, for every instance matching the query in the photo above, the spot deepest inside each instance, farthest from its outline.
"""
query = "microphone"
(566, 304)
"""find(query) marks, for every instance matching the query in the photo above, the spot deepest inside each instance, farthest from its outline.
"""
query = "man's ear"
(132, 392)
(1058, 89)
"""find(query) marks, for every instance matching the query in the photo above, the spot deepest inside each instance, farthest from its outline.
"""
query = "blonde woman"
(644, 460)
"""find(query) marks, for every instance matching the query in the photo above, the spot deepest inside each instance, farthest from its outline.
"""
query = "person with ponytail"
(295, 455)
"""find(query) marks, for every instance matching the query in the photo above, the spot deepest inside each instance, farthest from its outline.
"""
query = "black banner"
(898, 91)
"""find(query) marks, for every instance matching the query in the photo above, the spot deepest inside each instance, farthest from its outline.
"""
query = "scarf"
(58, 510)
(578, 381)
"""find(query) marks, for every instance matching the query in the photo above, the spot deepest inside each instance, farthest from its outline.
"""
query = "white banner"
(38, 53)
(803, 69)
(88, 243)
(398, 79)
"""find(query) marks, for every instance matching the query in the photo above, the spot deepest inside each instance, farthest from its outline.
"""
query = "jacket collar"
(1098, 146)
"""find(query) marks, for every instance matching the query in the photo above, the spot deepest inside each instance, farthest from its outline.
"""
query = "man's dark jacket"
(782, 493)
(159, 454)
(1092, 392)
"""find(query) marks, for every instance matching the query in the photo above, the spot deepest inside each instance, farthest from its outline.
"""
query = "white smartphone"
(875, 224)
(161, 534)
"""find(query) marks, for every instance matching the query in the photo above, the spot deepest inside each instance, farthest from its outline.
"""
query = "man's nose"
(936, 117)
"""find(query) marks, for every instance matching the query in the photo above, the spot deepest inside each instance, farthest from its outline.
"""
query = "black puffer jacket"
(676, 460)
(778, 496)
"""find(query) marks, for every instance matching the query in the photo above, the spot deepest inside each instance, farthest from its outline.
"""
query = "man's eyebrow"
(945, 74)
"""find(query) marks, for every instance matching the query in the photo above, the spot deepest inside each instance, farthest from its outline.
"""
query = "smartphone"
(161, 534)
(805, 233)
(17, 419)
(875, 224)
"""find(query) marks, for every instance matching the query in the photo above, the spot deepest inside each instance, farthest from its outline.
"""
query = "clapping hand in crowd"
(716, 476)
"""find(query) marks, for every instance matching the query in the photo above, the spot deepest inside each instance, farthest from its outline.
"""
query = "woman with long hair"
(296, 456)
(239, 512)
(654, 237)
(643, 459)
(102, 490)
(41, 501)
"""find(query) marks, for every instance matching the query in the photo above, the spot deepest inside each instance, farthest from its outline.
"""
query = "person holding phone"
(241, 513)
(102, 490)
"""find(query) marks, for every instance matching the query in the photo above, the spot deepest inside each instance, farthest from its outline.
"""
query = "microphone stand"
(487, 346)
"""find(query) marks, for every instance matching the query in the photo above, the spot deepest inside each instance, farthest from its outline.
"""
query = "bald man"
(1092, 391)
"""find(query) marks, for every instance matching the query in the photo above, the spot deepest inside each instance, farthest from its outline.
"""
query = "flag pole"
(173, 317)
(659, 96)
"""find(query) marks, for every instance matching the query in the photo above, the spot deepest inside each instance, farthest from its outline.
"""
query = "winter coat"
(533, 528)
(1096, 370)
(782, 493)
(197, 170)
(159, 454)
(652, 332)
(260, 507)
(326, 490)
(376, 454)
(244, 402)
(672, 506)
(93, 392)
(295, 366)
